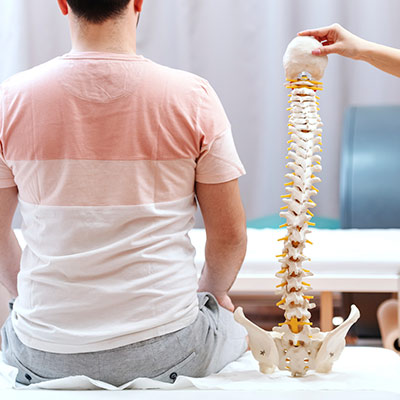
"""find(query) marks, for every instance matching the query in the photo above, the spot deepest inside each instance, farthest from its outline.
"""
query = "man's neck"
(102, 48)
(109, 37)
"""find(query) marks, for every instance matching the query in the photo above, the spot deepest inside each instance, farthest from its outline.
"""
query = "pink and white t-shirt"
(105, 150)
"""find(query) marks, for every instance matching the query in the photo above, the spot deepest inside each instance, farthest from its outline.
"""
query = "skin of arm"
(338, 40)
(10, 251)
(225, 224)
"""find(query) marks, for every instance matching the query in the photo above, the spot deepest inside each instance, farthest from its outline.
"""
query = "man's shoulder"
(179, 79)
(22, 80)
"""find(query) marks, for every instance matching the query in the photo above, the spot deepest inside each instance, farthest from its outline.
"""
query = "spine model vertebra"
(295, 345)
(304, 145)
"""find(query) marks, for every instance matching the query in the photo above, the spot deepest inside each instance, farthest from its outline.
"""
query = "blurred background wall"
(238, 46)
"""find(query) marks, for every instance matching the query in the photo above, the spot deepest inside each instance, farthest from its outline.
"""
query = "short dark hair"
(98, 11)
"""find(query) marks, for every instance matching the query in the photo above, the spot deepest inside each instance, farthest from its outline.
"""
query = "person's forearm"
(223, 261)
(10, 256)
(338, 40)
(383, 57)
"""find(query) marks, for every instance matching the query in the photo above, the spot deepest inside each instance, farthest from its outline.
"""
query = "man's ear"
(138, 5)
(63, 6)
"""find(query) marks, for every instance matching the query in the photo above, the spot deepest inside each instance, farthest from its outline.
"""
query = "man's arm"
(10, 251)
(225, 224)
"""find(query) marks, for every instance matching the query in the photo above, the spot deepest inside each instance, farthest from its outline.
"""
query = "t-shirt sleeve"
(6, 175)
(218, 161)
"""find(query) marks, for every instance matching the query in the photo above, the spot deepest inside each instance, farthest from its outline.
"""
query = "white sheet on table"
(335, 251)
(359, 368)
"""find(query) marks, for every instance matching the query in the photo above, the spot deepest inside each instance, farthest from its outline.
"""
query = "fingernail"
(316, 52)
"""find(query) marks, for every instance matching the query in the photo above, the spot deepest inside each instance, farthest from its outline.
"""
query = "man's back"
(105, 150)
(108, 153)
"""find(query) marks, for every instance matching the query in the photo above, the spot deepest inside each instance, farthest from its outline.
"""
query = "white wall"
(238, 46)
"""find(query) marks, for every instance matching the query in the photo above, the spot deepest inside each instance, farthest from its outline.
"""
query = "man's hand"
(337, 40)
(226, 302)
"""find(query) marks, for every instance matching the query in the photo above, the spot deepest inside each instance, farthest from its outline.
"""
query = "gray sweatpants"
(202, 348)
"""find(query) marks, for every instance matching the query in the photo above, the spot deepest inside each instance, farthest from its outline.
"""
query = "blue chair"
(370, 168)
(370, 189)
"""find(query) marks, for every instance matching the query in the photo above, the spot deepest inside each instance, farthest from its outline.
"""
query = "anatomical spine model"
(295, 345)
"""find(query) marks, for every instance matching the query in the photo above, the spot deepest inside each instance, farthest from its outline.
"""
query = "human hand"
(335, 39)
(213, 285)
(222, 297)
(225, 302)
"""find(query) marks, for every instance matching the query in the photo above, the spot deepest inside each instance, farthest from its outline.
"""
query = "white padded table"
(343, 260)
(348, 260)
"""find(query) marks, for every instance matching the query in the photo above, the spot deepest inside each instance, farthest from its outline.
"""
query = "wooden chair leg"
(326, 311)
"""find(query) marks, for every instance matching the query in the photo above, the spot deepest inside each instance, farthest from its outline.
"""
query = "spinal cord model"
(295, 345)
